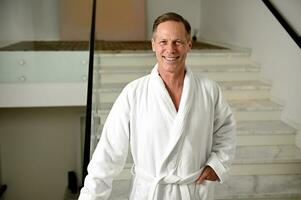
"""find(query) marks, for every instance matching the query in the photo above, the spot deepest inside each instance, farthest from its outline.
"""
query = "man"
(179, 129)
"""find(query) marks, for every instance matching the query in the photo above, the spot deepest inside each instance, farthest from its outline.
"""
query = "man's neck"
(174, 84)
(173, 80)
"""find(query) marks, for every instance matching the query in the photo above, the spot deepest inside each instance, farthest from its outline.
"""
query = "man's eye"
(162, 42)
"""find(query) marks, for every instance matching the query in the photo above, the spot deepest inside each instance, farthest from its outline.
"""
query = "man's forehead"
(171, 24)
(170, 28)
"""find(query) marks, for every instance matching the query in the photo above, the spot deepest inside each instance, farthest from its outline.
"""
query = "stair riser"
(150, 60)
(257, 140)
(266, 169)
(280, 187)
(238, 188)
(242, 170)
(257, 115)
(110, 97)
(239, 116)
(268, 139)
(218, 76)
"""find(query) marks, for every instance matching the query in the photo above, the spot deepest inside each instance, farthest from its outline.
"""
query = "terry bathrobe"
(169, 148)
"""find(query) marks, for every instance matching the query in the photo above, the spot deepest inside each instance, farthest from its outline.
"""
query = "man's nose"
(171, 47)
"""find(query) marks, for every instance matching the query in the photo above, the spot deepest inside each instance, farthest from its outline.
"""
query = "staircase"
(267, 163)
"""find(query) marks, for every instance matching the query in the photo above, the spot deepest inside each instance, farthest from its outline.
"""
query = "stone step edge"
(225, 85)
(289, 130)
(241, 170)
(260, 196)
(209, 68)
(237, 104)
(148, 53)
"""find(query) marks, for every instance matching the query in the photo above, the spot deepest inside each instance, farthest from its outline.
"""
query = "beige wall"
(115, 19)
(38, 148)
(250, 24)
(189, 9)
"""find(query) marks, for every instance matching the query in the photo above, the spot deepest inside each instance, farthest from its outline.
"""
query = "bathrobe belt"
(183, 182)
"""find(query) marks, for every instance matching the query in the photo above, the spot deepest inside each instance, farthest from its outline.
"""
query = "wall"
(291, 12)
(250, 24)
(115, 19)
(40, 19)
(38, 148)
(28, 20)
(189, 9)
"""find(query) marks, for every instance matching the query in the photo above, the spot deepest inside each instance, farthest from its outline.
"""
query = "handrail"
(2, 189)
(283, 22)
(89, 95)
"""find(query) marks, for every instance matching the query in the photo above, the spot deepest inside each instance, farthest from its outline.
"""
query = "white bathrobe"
(169, 148)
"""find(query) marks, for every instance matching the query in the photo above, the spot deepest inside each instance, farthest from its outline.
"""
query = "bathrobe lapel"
(180, 117)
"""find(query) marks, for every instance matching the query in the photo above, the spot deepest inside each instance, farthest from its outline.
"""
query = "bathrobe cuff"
(218, 167)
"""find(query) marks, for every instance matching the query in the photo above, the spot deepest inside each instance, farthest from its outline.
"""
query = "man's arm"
(224, 141)
(110, 154)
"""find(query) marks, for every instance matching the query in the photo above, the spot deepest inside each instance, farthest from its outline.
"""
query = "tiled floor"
(84, 45)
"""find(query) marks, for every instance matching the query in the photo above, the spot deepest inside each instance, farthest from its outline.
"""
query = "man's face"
(171, 45)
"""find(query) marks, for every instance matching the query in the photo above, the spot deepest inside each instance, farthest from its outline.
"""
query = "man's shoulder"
(137, 83)
(204, 81)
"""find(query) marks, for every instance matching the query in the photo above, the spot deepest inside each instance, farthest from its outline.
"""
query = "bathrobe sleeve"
(224, 136)
(111, 152)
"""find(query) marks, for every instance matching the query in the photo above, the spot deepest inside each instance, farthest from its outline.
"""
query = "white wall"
(291, 12)
(39, 19)
(250, 24)
(38, 148)
(29, 20)
(189, 9)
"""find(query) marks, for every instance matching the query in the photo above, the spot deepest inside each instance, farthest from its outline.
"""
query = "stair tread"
(273, 127)
(267, 154)
(261, 155)
(195, 68)
(254, 105)
(236, 105)
(225, 85)
(263, 187)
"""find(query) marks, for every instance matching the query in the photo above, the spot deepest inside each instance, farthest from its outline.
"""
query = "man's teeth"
(170, 58)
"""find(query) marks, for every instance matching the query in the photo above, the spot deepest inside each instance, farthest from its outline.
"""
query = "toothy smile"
(170, 58)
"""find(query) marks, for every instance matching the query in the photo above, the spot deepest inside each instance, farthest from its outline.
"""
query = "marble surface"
(267, 154)
(194, 68)
(244, 85)
(236, 105)
(254, 105)
(263, 187)
(272, 127)
(121, 190)
(225, 85)
(268, 187)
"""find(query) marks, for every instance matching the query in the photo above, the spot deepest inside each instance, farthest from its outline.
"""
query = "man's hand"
(207, 174)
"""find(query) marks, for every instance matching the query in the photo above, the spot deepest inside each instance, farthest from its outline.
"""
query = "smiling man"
(179, 128)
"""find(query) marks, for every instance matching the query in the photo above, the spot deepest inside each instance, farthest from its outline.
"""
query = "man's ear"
(190, 44)
(153, 44)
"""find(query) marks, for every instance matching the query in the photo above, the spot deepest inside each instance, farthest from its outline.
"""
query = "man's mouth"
(171, 59)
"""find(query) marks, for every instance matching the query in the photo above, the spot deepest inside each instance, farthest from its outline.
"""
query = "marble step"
(265, 133)
(243, 110)
(267, 160)
(254, 160)
(265, 187)
(122, 74)
(193, 58)
(252, 133)
(255, 109)
(232, 90)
